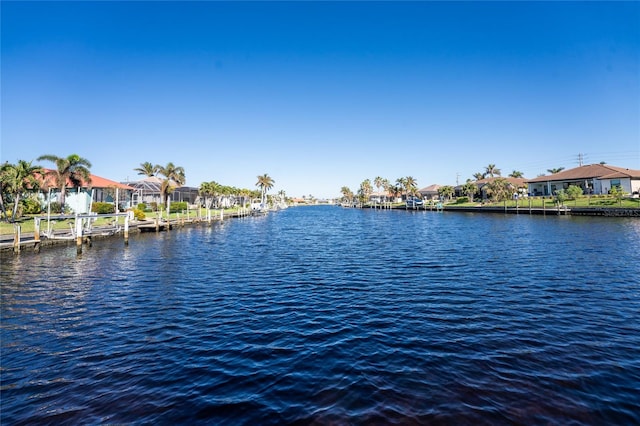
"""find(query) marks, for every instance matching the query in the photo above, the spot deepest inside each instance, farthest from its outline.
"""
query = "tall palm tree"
(555, 170)
(395, 190)
(492, 170)
(208, 190)
(386, 186)
(516, 174)
(146, 169)
(378, 181)
(402, 183)
(478, 176)
(72, 169)
(173, 177)
(347, 194)
(411, 185)
(365, 190)
(17, 179)
(469, 189)
(265, 183)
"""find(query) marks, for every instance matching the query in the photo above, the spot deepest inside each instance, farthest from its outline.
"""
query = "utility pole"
(457, 176)
(580, 158)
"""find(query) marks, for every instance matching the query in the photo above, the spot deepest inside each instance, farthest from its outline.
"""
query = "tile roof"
(590, 171)
(431, 188)
(513, 181)
(96, 182)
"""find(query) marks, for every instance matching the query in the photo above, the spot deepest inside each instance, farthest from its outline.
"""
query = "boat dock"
(82, 231)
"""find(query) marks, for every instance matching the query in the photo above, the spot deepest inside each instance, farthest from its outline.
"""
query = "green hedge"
(177, 206)
(103, 208)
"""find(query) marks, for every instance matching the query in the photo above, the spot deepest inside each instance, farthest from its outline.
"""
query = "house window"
(615, 182)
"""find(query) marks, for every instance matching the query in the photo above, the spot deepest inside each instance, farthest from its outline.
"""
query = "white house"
(593, 179)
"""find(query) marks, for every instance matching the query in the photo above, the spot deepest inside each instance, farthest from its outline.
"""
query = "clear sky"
(322, 95)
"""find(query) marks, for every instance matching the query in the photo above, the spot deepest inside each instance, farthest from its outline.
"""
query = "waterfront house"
(430, 192)
(379, 197)
(148, 190)
(79, 198)
(592, 178)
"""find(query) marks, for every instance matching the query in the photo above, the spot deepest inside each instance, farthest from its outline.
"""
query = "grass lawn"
(538, 202)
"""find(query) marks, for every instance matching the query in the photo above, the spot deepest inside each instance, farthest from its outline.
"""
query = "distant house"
(519, 184)
(148, 190)
(430, 192)
(593, 179)
(79, 199)
(378, 197)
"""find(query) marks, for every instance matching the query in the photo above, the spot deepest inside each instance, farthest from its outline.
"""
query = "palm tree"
(4, 181)
(516, 174)
(208, 190)
(555, 170)
(18, 179)
(72, 169)
(173, 177)
(492, 170)
(499, 189)
(446, 191)
(411, 185)
(147, 169)
(378, 182)
(347, 194)
(478, 176)
(365, 190)
(469, 189)
(402, 184)
(386, 186)
(395, 190)
(265, 183)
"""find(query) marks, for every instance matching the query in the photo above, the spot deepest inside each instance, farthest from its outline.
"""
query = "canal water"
(324, 315)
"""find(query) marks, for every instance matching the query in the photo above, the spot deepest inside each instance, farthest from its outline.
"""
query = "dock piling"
(36, 235)
(78, 235)
(16, 238)
(126, 230)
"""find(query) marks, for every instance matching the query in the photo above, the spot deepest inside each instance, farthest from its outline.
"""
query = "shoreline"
(555, 211)
(63, 238)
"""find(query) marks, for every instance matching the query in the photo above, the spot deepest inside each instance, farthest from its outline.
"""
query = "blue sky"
(322, 95)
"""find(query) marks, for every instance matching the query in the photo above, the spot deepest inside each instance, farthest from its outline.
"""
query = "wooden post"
(157, 225)
(221, 215)
(16, 238)
(36, 235)
(78, 235)
(126, 230)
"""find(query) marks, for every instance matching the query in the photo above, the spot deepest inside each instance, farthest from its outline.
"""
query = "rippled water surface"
(324, 315)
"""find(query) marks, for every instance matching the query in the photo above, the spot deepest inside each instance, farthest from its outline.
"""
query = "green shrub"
(153, 206)
(102, 208)
(462, 200)
(9, 208)
(56, 207)
(139, 214)
(142, 207)
(31, 206)
(177, 206)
